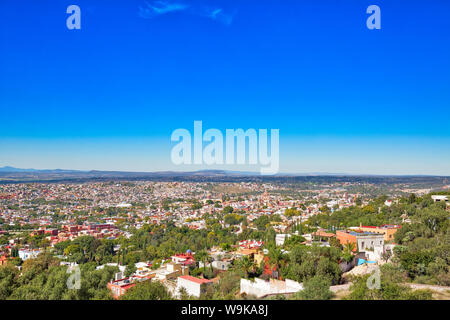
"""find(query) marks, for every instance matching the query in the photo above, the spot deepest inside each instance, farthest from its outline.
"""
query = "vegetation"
(44, 278)
(147, 290)
(315, 288)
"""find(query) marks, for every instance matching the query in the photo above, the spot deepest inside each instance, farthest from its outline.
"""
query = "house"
(321, 235)
(112, 264)
(280, 238)
(119, 286)
(440, 198)
(171, 271)
(250, 244)
(25, 254)
(363, 240)
(221, 264)
(254, 254)
(51, 232)
(185, 259)
(193, 286)
(388, 230)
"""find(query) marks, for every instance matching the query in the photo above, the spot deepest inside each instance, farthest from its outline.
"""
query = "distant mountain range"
(9, 169)
(15, 170)
(10, 174)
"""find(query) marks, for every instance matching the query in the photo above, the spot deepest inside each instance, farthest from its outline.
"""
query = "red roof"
(196, 280)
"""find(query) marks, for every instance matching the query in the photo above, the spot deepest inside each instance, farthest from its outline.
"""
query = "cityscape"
(291, 239)
(224, 158)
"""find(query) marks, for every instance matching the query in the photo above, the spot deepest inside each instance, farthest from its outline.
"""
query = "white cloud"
(156, 8)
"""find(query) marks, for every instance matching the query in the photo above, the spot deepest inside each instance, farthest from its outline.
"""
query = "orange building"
(345, 237)
(388, 230)
(363, 240)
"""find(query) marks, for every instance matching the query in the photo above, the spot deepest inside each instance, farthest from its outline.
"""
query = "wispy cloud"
(156, 8)
(217, 14)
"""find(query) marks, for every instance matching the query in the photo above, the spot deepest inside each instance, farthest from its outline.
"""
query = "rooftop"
(196, 280)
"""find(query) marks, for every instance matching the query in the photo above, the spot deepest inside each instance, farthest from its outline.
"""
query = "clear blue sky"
(108, 96)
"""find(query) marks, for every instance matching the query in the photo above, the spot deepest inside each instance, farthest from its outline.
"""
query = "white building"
(193, 286)
(25, 254)
(221, 265)
(112, 264)
(369, 241)
(439, 198)
(281, 238)
(170, 271)
(261, 288)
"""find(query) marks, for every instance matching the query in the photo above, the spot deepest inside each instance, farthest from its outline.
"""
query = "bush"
(315, 288)
(147, 290)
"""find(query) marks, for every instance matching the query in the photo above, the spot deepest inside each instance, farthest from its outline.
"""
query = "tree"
(227, 209)
(386, 255)
(315, 288)
(334, 242)
(183, 294)
(147, 290)
(246, 265)
(391, 287)
(293, 241)
(290, 212)
(8, 277)
(202, 256)
(262, 222)
(228, 286)
(275, 258)
(130, 269)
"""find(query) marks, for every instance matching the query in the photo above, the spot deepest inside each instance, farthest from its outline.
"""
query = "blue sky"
(108, 96)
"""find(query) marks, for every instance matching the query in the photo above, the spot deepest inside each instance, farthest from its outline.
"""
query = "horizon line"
(244, 173)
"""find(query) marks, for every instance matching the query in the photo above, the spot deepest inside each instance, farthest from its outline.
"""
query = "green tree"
(245, 264)
(315, 288)
(147, 290)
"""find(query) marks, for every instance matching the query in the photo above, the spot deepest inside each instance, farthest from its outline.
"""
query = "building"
(280, 238)
(388, 230)
(363, 240)
(119, 286)
(193, 286)
(25, 254)
(221, 264)
(253, 254)
(321, 235)
(440, 198)
(261, 288)
(250, 244)
(171, 271)
(185, 259)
